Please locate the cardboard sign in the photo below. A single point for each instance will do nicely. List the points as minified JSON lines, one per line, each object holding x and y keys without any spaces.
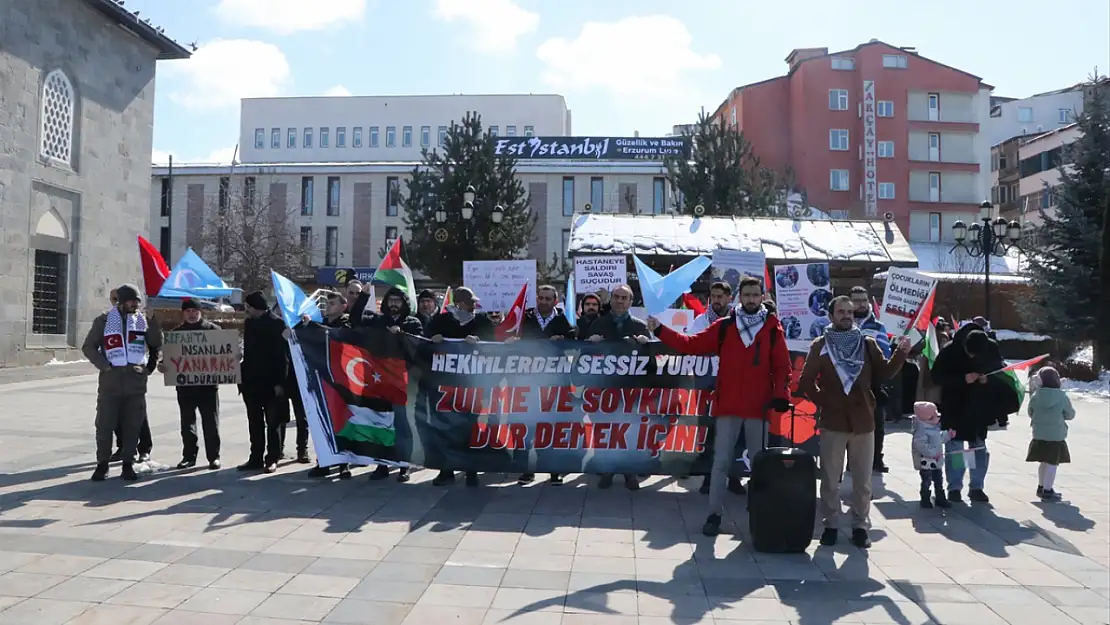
{"x":201,"y":357}
{"x":904,"y":294}
{"x":498,"y":282}
{"x":592,"y":273}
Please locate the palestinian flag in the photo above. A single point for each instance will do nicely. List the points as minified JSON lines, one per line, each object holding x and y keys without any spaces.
{"x":932,"y":347}
{"x":356,"y":376}
{"x":394,"y":272}
{"x":448,"y":300}
{"x":1009,"y":374}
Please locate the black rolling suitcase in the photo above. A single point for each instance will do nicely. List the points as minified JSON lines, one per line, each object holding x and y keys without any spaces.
{"x":782,"y":498}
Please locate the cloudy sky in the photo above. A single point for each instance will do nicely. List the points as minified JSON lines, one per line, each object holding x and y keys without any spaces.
{"x":623,"y":65}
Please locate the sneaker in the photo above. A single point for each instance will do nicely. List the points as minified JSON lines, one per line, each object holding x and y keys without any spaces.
{"x":860,"y":538}
{"x":187,"y":463}
{"x":978,"y":496}
{"x":444,"y":478}
{"x":1048,"y":494}
{"x":319,"y":471}
{"x":606,"y":481}
{"x":100,"y":473}
{"x":142,"y":458}
{"x":251,"y":465}
{"x":829,"y":536}
{"x":114,"y":457}
{"x":526,"y":478}
{"x":127,"y":472}
{"x":472,"y":479}
{"x":736,"y":486}
{"x":214,"y":465}
{"x":380,"y":473}
{"x":556,"y":479}
{"x":705,"y":484}
{"x":926,"y":500}
{"x":632,"y":482}
{"x":271,"y":467}
{"x":712,"y":525}
{"x":954,"y":496}
{"x":302,"y":457}
{"x":403,"y":475}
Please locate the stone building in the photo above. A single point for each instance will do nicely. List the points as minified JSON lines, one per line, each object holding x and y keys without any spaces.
{"x":76,"y":124}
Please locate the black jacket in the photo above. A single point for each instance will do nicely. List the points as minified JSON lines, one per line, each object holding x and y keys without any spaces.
{"x":203,"y":324}
{"x":585,"y":325}
{"x":558,"y":326}
{"x":606,"y":326}
{"x":970,"y":409}
{"x":448,"y":326}
{"x":408,"y":323}
{"x":265,"y":353}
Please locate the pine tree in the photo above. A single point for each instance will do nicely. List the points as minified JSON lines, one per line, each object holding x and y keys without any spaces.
{"x":724,"y":175}
{"x":439,"y":184}
{"x":1065,"y":267}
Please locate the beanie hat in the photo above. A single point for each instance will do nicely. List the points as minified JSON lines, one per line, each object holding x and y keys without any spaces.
{"x":190,"y":304}
{"x":128,"y":293}
{"x":1050,"y":377}
{"x":426,"y":294}
{"x":256,"y":300}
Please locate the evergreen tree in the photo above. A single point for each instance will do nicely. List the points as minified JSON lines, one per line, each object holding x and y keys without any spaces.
{"x":439,"y":184}
{"x":724,"y":175}
{"x":1065,"y":267}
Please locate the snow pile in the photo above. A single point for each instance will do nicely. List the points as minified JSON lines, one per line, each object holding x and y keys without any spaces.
{"x":1084,"y":354}
{"x":1010,"y":335}
{"x":55,"y":361}
{"x":1096,"y":390}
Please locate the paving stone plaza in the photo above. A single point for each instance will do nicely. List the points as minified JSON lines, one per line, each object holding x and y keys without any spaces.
{"x":224,"y":548}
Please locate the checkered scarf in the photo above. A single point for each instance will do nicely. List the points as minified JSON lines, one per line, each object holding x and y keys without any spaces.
{"x":124,"y":341}
{"x":845,"y":349}
{"x":750,"y":325}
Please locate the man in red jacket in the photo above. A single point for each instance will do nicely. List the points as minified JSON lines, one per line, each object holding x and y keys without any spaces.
{"x":753,"y":376}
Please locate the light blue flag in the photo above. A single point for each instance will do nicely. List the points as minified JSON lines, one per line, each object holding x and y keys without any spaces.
{"x":660,"y":292}
{"x":571,"y":303}
{"x":192,"y":277}
{"x":292,"y":302}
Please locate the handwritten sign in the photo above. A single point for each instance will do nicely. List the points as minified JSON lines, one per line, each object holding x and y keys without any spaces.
{"x":201,"y":357}
{"x":904,"y":294}
{"x":497,"y":282}
{"x":599,"y":272}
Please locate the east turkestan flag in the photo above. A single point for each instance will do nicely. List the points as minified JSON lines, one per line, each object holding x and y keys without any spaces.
{"x":394,"y":272}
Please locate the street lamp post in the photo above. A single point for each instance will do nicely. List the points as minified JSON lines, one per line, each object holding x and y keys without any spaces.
{"x":466,"y":212}
{"x":992,"y":238}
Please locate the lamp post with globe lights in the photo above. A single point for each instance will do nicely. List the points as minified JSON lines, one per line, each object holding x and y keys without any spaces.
{"x":990,"y":239}
{"x":466,"y":213}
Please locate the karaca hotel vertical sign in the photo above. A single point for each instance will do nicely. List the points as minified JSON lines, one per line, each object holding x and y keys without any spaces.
{"x":870,"y":153}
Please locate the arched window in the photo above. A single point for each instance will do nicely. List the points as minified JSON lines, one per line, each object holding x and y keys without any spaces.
{"x":56,"y":142}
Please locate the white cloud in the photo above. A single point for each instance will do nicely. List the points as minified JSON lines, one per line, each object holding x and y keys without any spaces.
{"x":338,"y":91}
{"x":633,"y":57}
{"x":223,"y":71}
{"x":496,"y":24}
{"x":290,"y":16}
{"x":219,"y":156}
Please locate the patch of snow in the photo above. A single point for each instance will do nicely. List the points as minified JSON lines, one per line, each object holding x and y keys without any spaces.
{"x":1010,"y":335}
{"x":1084,"y":354}
{"x":940,"y":257}
{"x":55,"y":361}
{"x":1097,"y":390}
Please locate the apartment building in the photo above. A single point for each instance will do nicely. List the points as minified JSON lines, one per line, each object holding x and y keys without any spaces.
{"x":343,"y":129}
{"x":873,"y":130}
{"x":1034,"y":115}
{"x":347,"y":212}
{"x":1040,"y":158}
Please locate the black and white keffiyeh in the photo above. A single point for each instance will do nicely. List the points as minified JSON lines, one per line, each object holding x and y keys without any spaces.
{"x":845,"y":349}
{"x":750,"y":325}
{"x":460,"y":315}
{"x":125,"y":338}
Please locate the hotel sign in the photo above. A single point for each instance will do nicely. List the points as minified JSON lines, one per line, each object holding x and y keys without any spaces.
{"x":870,"y":151}
{"x":592,"y":148}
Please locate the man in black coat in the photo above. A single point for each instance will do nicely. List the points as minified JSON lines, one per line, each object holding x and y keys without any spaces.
{"x":194,"y":399}
{"x":460,"y":321}
{"x":264,"y":372}
{"x":591,"y":312}
{"x":545,"y":322}
{"x":619,"y":324}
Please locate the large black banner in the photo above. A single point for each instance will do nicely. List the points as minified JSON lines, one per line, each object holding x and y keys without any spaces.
{"x":529,"y":406}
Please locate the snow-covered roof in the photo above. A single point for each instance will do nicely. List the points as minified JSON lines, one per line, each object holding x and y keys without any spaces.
{"x":779,"y":239}
{"x":941,"y":258}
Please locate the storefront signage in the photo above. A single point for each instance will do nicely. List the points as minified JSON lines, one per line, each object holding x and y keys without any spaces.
{"x":592,"y":148}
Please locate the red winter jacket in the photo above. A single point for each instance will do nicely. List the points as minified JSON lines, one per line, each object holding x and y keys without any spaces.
{"x":748,"y":378}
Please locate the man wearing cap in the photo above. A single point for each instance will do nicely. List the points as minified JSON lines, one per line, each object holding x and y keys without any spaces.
{"x":460,"y":321}
{"x":122,"y":346}
{"x":194,"y":399}
{"x":427,"y":305}
{"x":264,"y":371}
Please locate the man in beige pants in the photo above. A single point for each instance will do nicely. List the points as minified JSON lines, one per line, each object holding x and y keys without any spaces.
{"x":842,"y":367}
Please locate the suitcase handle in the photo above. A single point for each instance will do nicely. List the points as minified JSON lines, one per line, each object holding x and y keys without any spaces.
{"x":767,"y":423}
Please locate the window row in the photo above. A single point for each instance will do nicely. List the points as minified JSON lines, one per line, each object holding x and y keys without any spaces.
{"x":1025,"y":115}
{"x":308,"y":185}
{"x":838,"y":181}
{"x":308,"y":136}
{"x":838,"y":101}
{"x":627,"y":202}
{"x":890,"y":61}
{"x":838,"y":141}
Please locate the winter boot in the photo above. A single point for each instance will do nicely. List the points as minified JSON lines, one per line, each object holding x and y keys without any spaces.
{"x":926,"y":499}
{"x":127,"y":472}
{"x":100,"y":472}
{"x":941,"y":500}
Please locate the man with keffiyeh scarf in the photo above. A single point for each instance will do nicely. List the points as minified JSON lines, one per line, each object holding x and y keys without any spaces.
{"x":124,"y":348}
{"x":839,"y":373}
{"x":864,"y":316}
{"x":720,"y":305}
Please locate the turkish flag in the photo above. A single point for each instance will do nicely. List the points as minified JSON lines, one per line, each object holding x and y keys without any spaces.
{"x":510,"y":326}
{"x":366,"y":378}
{"x":113,"y":341}
{"x":155,"y":269}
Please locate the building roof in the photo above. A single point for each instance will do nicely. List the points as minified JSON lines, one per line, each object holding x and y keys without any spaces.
{"x":1027,"y":139}
{"x":168,"y":49}
{"x":780,"y":239}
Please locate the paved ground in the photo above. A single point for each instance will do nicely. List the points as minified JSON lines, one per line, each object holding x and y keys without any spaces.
{"x":220,"y":548}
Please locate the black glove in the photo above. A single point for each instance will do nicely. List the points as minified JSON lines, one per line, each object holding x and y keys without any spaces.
{"x":780,"y":404}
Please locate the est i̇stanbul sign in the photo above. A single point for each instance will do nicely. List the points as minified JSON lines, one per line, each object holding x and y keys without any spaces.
{"x":592,"y":148}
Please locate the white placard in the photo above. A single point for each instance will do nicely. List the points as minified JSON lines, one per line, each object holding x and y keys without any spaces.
{"x":497,"y":282}
{"x":803,"y":293}
{"x":870,"y":151}
{"x":904,"y":294}
{"x":599,"y":272}
{"x":732,"y":265}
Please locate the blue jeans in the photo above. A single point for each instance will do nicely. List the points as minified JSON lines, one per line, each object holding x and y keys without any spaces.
{"x":978,"y":474}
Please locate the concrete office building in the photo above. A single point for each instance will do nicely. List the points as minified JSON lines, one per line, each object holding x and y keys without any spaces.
{"x":76,"y":122}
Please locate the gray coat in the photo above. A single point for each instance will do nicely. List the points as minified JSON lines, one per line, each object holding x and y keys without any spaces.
{"x":121,"y":380}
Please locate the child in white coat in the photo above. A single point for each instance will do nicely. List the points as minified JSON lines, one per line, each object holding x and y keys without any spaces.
{"x":928,"y":452}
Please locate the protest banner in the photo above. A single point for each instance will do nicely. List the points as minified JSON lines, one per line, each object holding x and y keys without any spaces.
{"x":803,"y":293}
{"x":904,"y":294}
{"x":731,"y":265}
{"x":497,"y":282}
{"x":592,"y":273}
{"x":529,"y":406}
{"x":201,"y":357}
